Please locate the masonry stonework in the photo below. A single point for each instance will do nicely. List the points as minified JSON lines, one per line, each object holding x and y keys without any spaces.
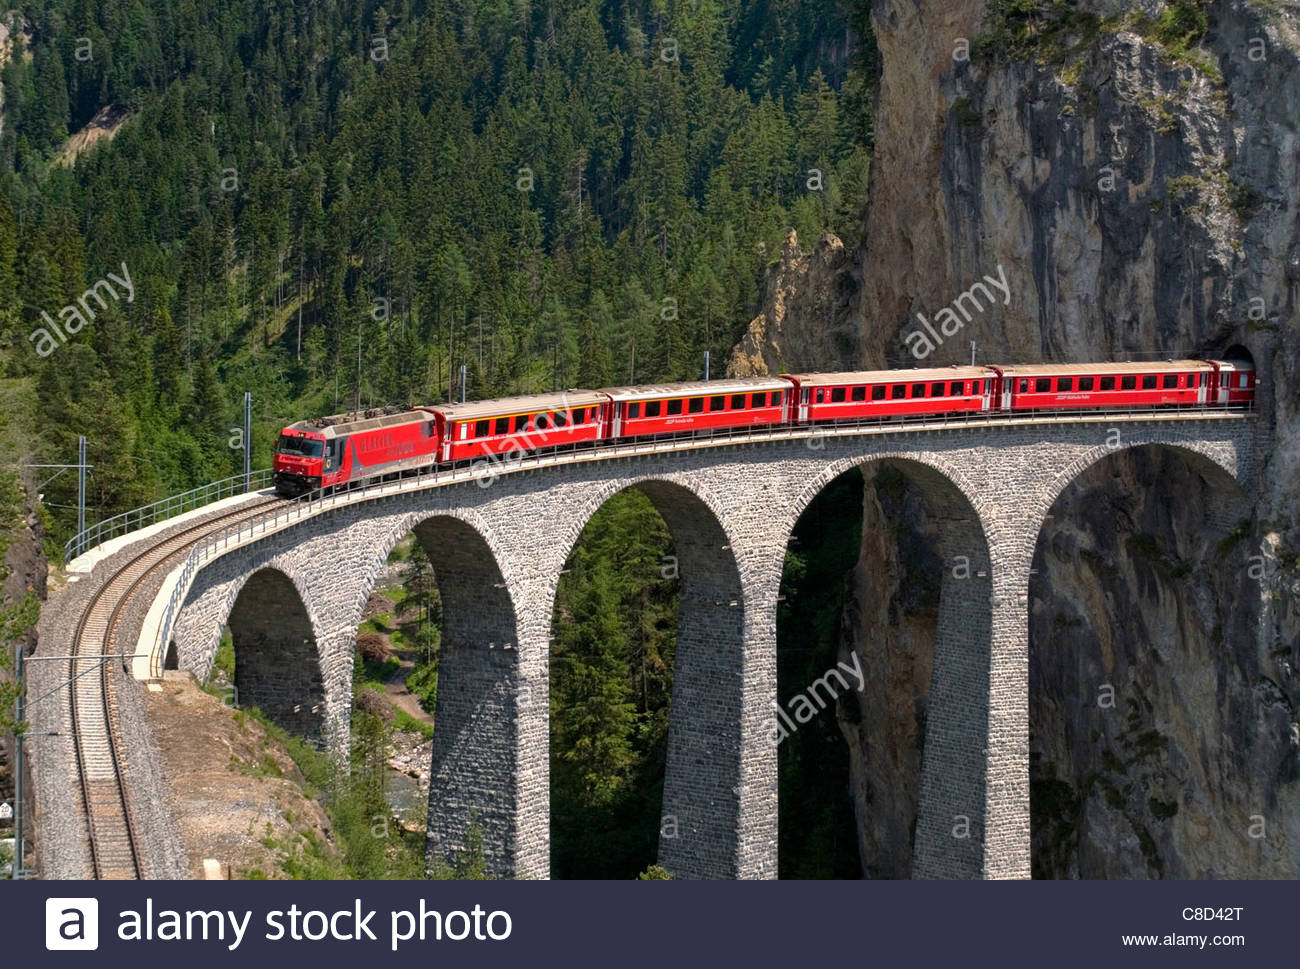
{"x":498,"y":546}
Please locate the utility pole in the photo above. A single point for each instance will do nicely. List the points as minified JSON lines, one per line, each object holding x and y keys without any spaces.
{"x":972,"y":353}
{"x":18,"y":763}
{"x":81,"y":487}
{"x":463,"y":369}
{"x":706,"y":364}
{"x":248,"y":440}
{"x":82,"y":467}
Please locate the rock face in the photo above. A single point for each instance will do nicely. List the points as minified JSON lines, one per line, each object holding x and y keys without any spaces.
{"x":1141,"y":193}
{"x":809,"y":313}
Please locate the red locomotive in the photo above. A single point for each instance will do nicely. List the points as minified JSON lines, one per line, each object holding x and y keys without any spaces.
{"x":330,"y":451}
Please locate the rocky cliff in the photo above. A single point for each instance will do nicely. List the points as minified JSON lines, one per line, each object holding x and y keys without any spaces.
{"x":1133,"y":172}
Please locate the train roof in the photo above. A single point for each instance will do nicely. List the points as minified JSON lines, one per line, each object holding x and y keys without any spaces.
{"x":507,"y":406}
{"x":955,"y":372}
{"x":1233,"y":364}
{"x":1135,"y":366}
{"x":339,"y":425}
{"x":697,"y":388}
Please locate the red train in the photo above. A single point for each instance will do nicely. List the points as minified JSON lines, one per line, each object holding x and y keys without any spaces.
{"x":329,"y":451}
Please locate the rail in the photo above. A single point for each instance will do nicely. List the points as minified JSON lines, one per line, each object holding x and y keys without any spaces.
{"x":161,"y":510}
{"x":485,"y":469}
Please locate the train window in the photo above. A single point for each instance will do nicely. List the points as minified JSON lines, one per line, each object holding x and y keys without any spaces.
{"x":1171,"y":380}
{"x":675,"y":406}
{"x":1064,"y":383}
{"x":1192,"y":381}
{"x":634,"y":410}
{"x":1128,"y":383}
{"x":695,"y":405}
{"x":717,"y":403}
{"x":1107,"y":383}
{"x":918,"y":390}
{"x":837,"y":395}
{"x":560,"y":418}
{"x":539,"y":422}
{"x":859,"y":393}
{"x":481,"y":428}
{"x":1085,"y":383}
{"x":737,"y":401}
{"x":1024,"y":385}
{"x":777,"y":397}
{"x":759,"y":400}
{"x":898,"y":391}
{"x":936,"y":390}
{"x":521,"y":421}
{"x":1244,"y":381}
{"x":954,"y":389}
{"x":652,"y":408}
{"x":878,"y":392}
{"x":1149,"y":381}
{"x":1042,"y":385}
{"x":821,"y":395}
{"x":503,"y":426}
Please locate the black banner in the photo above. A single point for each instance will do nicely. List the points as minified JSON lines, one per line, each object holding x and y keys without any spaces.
{"x":652,"y":923}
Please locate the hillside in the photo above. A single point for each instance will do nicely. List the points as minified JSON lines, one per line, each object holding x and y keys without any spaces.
{"x":337,"y":204}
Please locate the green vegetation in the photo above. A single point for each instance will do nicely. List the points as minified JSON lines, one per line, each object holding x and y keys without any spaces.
{"x":372,"y":843}
{"x":1056,"y":33}
{"x":343,"y":203}
{"x":1049,"y":32}
{"x":1179,"y":30}
{"x":613,"y":640}
{"x":17,"y":619}
{"x":817,"y":830}
{"x":336,"y":205}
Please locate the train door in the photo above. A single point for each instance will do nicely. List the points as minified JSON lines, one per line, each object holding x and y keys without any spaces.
{"x":987,"y":402}
{"x":1202,"y":386}
{"x":616,"y":419}
{"x":1219,"y":389}
{"x":803,"y":404}
{"x":1006,"y":392}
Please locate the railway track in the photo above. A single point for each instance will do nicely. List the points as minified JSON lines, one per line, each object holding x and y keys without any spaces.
{"x":111,"y":834}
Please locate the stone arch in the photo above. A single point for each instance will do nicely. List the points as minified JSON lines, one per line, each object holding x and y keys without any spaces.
{"x":929,"y":470}
{"x":1216,"y":460}
{"x":464,"y":531}
{"x":277,"y":659}
{"x":1124,"y":688}
{"x":945,"y":811}
{"x":701,"y":834}
{"x":681,"y":506}
{"x":473,"y":776}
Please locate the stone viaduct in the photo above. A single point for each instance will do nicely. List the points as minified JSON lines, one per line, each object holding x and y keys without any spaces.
{"x":294,"y":601}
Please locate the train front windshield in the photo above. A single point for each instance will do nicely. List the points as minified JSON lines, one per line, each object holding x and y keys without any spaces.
{"x":304,"y":447}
